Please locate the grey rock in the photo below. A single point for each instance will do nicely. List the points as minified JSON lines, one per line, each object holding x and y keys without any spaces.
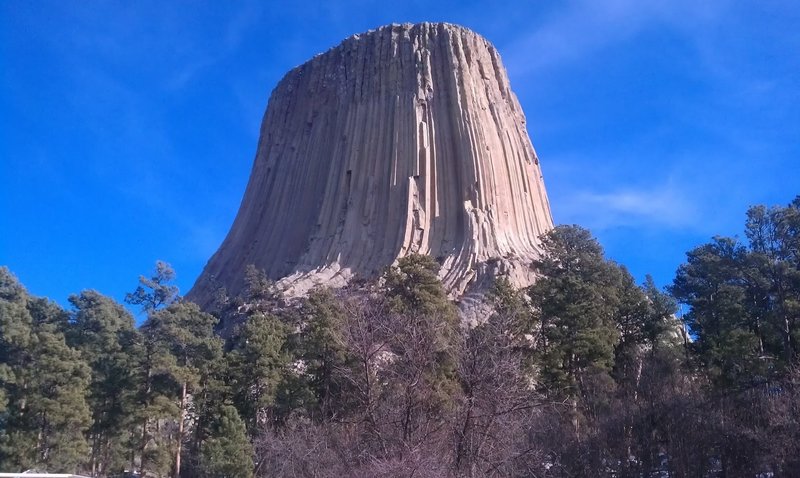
{"x":404,"y":139}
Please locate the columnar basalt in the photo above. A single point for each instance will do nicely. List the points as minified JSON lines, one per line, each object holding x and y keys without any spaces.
{"x":405,"y":139}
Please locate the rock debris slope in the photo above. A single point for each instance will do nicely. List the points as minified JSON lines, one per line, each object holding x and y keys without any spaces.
{"x":405,"y":139}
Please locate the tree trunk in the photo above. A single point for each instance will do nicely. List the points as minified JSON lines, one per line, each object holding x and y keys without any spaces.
{"x":148,"y":390}
{"x":180,"y":433}
{"x":573,"y":404}
{"x":95,"y":441}
{"x":787,"y":340}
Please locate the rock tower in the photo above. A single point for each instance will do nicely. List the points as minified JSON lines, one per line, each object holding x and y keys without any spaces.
{"x":405,"y":139}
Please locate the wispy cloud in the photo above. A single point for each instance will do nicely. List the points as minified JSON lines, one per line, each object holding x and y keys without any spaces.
{"x":586,"y":26}
{"x":235,"y":31}
{"x":661,"y":206}
{"x":674,"y":161}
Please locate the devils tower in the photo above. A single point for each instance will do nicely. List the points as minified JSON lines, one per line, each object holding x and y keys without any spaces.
{"x":405,"y":139}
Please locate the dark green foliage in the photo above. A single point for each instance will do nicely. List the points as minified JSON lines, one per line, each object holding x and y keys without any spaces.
{"x":513,"y":306}
{"x":185,"y":332}
{"x":773,"y":275}
{"x":155,"y":292}
{"x":598,"y":335}
{"x":745,"y":299}
{"x":156,"y":387}
{"x":45,"y":384}
{"x":227,"y":453}
{"x":414,"y":287}
{"x":103,"y":331}
{"x":583,"y":374}
{"x":15,"y":332}
{"x":711,"y":282}
{"x":427,"y":343}
{"x":661,"y":327}
{"x":52,"y":414}
{"x":322,"y":351}
{"x":258,"y":360}
{"x":156,"y":392}
{"x":260,"y":292}
{"x":186,"y":336}
{"x":577,"y":300}
{"x":180,"y":369}
{"x":258,"y":364}
{"x":259,"y":296}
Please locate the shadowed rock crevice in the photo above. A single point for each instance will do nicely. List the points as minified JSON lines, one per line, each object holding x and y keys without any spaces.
{"x":405,"y":139}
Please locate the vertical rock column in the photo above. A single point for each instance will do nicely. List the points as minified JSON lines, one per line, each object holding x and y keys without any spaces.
{"x":405,"y":139}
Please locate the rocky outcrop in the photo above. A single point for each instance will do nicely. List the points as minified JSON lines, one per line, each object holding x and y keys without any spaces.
{"x":405,"y":139}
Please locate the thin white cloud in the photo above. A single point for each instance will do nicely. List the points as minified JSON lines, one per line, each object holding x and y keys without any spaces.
{"x":662,"y":206}
{"x":735,"y":133}
{"x":235,"y":31}
{"x":586,"y":26}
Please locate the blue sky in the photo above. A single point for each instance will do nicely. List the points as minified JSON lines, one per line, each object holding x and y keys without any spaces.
{"x":129,"y":128}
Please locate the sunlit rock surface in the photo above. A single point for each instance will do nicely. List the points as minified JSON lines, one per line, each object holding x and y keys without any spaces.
{"x":405,"y":139}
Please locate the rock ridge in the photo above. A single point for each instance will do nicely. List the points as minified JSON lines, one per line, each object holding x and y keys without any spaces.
{"x":404,"y":139}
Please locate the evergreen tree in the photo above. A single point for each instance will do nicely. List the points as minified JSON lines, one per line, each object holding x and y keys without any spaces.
{"x":730,"y":338}
{"x":16,"y":326}
{"x":258,"y":362}
{"x":643,"y":318}
{"x":662,"y":328}
{"x":597,"y":328}
{"x":187,"y":335}
{"x":227,"y":453}
{"x":156,"y":389}
{"x":413,"y":286}
{"x":773,"y":274}
{"x":260,"y":293}
{"x":425,"y":338}
{"x":414,"y":290}
{"x":155,"y":292}
{"x":576,"y":299}
{"x":156,"y":402}
{"x":320,"y":346}
{"x":103,"y":331}
{"x":513,"y":316}
{"x":45,"y":383}
{"x":744,"y":299}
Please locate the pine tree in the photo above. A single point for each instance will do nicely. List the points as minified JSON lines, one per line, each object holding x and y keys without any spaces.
{"x":426,"y":340}
{"x":258,"y":362}
{"x":773,"y":276}
{"x":227,"y":453}
{"x":320,"y":347}
{"x":414,"y":290}
{"x":662,"y":328}
{"x":744,"y":299}
{"x":155,"y":292}
{"x":187,"y":334}
{"x":730,"y":338}
{"x":45,"y":383}
{"x":155,"y":388}
{"x":576,"y":301}
{"x":413,"y":286}
{"x":103,"y":331}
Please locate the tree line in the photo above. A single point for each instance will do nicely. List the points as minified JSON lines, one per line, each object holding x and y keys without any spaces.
{"x":585,"y":373}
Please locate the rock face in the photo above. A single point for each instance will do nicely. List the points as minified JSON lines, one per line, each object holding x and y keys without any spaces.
{"x":405,"y":139}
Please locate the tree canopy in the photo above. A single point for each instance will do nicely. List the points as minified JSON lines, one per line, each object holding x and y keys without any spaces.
{"x":584,"y":373}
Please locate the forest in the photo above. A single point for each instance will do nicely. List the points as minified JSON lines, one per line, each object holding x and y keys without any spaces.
{"x":585,"y":373}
